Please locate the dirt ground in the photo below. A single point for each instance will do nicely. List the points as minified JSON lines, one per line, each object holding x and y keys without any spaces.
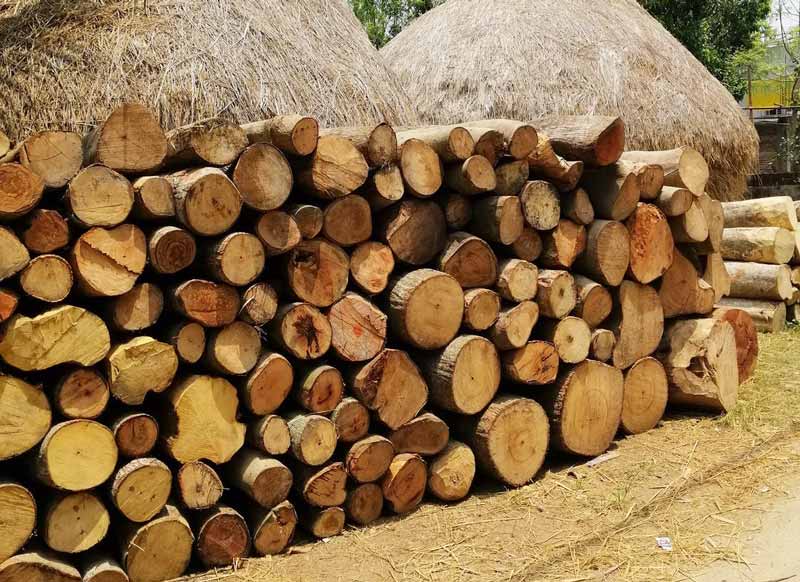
{"x":723,"y":490}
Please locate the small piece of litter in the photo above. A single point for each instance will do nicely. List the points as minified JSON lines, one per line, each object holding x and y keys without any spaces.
{"x":664,"y":543}
{"x":602,"y":458}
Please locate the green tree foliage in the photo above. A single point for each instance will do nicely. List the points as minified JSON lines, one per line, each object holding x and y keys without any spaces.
{"x":383,"y":19}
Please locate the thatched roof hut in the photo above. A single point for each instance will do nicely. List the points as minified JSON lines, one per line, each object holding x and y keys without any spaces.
{"x":471,"y":59}
{"x":68,"y":62}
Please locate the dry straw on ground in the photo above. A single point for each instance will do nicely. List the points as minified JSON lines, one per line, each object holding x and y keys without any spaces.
{"x":523,"y":59}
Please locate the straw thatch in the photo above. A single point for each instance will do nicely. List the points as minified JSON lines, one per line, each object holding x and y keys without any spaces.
{"x":471,"y":59}
{"x":66,"y":63}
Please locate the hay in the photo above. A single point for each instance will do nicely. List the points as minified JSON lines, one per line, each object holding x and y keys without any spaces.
{"x":471,"y":59}
{"x":67,"y":63}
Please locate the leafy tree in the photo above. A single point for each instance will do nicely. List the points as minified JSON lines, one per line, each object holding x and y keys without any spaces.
{"x":383,"y":19}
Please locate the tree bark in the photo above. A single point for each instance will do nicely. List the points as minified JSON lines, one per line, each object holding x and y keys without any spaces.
{"x":451,"y":143}
{"x":757,"y":281}
{"x":595,"y":140}
{"x":758,"y":245}
{"x":546,"y":164}
{"x":767,"y":316}
{"x":682,"y":290}
{"x":651,"y":177}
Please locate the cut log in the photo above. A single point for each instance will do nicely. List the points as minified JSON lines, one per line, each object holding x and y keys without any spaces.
{"x":594,"y":301}
{"x":302,"y":330}
{"x":384,"y":187}
{"x":223,"y":537}
{"x":392,"y":386}
{"x":377,"y":143}
{"x":293,"y":134}
{"x":140,"y":366}
{"x":347,"y":221}
{"x":98,"y":567}
{"x":153,"y":198}
{"x":269,"y":434}
{"x":107,"y":263}
{"x":404,"y":482}
{"x":701,"y":364}
{"x":317,"y":272}
{"x":514,"y":325}
{"x":371,"y":264}
{"x":498,"y":218}
{"x":457,"y":209}
{"x":63,"y":335}
{"x":268,"y":385}
{"x":757,"y":281}
{"x":13,"y":254}
{"x":489,"y":143}
{"x":450,"y":474}
{"x":577,"y":206}
{"x":35,"y":566}
{"x":674,"y":201}
{"x":9,"y":301}
{"x":777,"y":211}
{"x":74,"y":522}
{"x":473,"y":176}
{"x":188,"y":338}
{"x":130,"y":140}
{"x":470,"y":260}
{"x":170,"y":250}
{"x":209,"y":142}
{"x":233,"y":349}
{"x":259,"y":304}
{"x":645,"y":396}
{"x":546,"y":164}
{"x":273,"y":529}
{"x":322,"y":486}
{"x":324,"y":522}
{"x":716,"y":275}
{"x":140,"y":489}
{"x":509,"y":439}
{"x":24,"y":415}
{"x":20,"y":191}
{"x":55,"y":156}
{"x":313,"y":438}
{"x":158,"y":550}
{"x":556,"y":293}
{"x":278,"y":232}
{"x":265,"y":480}
{"x":540,"y":205}
{"x":207,"y":303}
{"x":238,"y":259}
{"x":368,"y":459}
{"x":528,"y":246}
{"x":651,"y":244}
{"x":571,"y":337}
{"x":45,"y":231}
{"x":206,"y":201}
{"x":481,"y":309}
{"x":263,"y":176}
{"x":351,"y":419}
{"x":308,"y":219}
{"x":364,"y":503}
{"x":427,"y":434}
{"x":81,"y":393}
{"x":595,"y":140}
{"x":602,"y":346}
{"x":746,"y":339}
{"x":320,"y":389}
{"x":767,"y":316}
{"x":585,"y":407}
{"x":450,"y":143}
{"x":517,"y":280}
{"x":138,"y":309}
{"x":415,"y":230}
{"x":651,"y":177}
{"x":511,"y":177}
{"x":563,"y":245}
{"x":682,"y":290}
{"x":605,"y":259}
{"x":335,"y":169}
{"x":99,"y":196}
{"x":47,"y":278}
{"x":76,"y":455}
{"x":17,"y":518}
{"x":421,"y":167}
{"x":358,"y":328}
{"x":683,"y":167}
{"x":613,"y":196}
{"x":690,"y":227}
{"x":638,"y":325}
{"x":758,"y":245}
{"x":715,"y":219}
{"x":135,"y":433}
{"x":201,"y":420}
{"x":534,"y":364}
{"x":198,"y":485}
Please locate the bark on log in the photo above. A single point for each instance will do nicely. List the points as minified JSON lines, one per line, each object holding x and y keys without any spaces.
{"x":317,"y":272}
{"x":563,"y":245}
{"x":358,"y":328}
{"x":517,"y":280}
{"x":292,"y":134}
{"x":716,"y":275}
{"x":313,"y":438}
{"x":471,"y":177}
{"x":207,"y":303}
{"x":76,"y":455}
{"x":347,"y":221}
{"x":98,"y":567}
{"x":758,"y":245}
{"x":135,"y":434}
{"x":514,"y":326}
{"x":605,"y":259}
{"x":577,"y":206}
{"x":613,"y":196}
{"x":171,"y":250}
{"x":259,"y":304}
{"x":528,"y":246}
{"x":595,"y":140}
{"x":746,"y":339}
{"x":498,"y":219}
{"x":320,"y":389}
{"x":594,"y":302}
{"x":263,"y":176}
{"x":768,"y":316}
{"x":602,"y":346}
{"x":81,"y":393}
{"x":107,"y":263}
{"x":308,"y":219}
{"x":302,"y":330}
{"x":470,"y":260}
{"x":99,"y":196}
{"x":153,"y":198}
{"x":19,"y":518}
{"x":481,"y":309}
{"x":263,"y":479}
{"x":715,"y":219}
{"x":140,"y":366}
{"x":20,"y":191}
{"x":651,"y":244}
{"x":25,"y":415}
{"x":335,"y":169}
{"x":138,"y":309}
{"x":683,"y":167}
{"x":364,"y":503}
{"x":273,"y":529}
{"x":47,"y":278}
{"x":238,"y":259}
{"x":450,"y":474}
{"x":74,"y":522}
{"x":206,"y":201}
{"x":371,"y":264}
{"x":521,"y":138}
{"x":534,"y":364}
{"x":427,"y":434}
{"x":556,"y":293}
{"x":404,"y":482}
{"x":233,"y":349}
{"x":269,"y":434}
{"x":140,"y":489}
{"x":351,"y":419}
{"x":198,"y":486}
{"x":158,"y":550}
{"x":638,"y":325}
{"x":415,"y":230}
{"x":571,"y":337}
{"x":682,"y":290}
{"x":13,"y":254}
{"x":209,"y":142}
{"x":540,"y":205}
{"x":384,"y":187}
{"x":757,"y":281}
{"x":377,"y":143}
{"x":511,"y":177}
{"x":45,"y":231}
{"x":223,"y":537}
{"x":645,"y":396}
{"x":368,"y":459}
{"x":489,"y":143}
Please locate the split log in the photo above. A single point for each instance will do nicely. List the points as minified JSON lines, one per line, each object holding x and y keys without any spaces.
{"x":368,"y":459}
{"x":81,"y":393}
{"x":46,"y":231}
{"x":238,"y":259}
{"x":674,"y":201}
{"x":215,"y":434}
{"x":613,"y":196}
{"x":758,"y":245}
{"x":392,"y":386}
{"x":481,"y":309}
{"x":107,"y":263}
{"x":556,"y":293}
{"x":335,"y":169}
{"x":19,"y":518}
{"x":322,"y":486}
{"x":158,"y":550}
{"x":701,"y":364}
{"x":171,"y":250}
{"x":233,"y":349}
{"x":451,"y":473}
{"x":13,"y":254}
{"x":25,"y":415}
{"x":602,"y":346}
{"x":777,"y":211}
{"x":767,"y":316}
{"x":76,"y":455}
{"x":140,"y":489}
{"x":585,"y":407}
{"x":594,"y":301}
{"x":320,"y":389}
{"x":645,"y":396}
{"x":278,"y":232}
{"x":209,"y":142}
{"x":651,"y":244}
{"x":577,"y":206}
{"x":35,"y":566}
{"x":259,"y":304}
{"x":135,"y":434}
{"x":198,"y":485}
{"x":545,"y":163}
{"x":74,"y":522}
{"x":528,"y":246}
{"x":540,"y":205}
{"x":451,"y":143}
{"x":470,"y":260}
{"x":421,"y":168}
{"x":511,"y":177}
{"x":514,"y":326}
{"x":153,"y":198}
{"x":64,"y":335}
{"x":322,"y":522}
{"x":683,"y":167}
{"x":517,"y":280}
{"x":20,"y":191}
{"x":605,"y":259}
{"x":638,"y":325}
{"x":358,"y":328}
{"x":313,"y":438}
{"x":682,"y":290}
{"x":140,"y":366}
{"x":293,"y":134}
{"x":273,"y":529}
{"x":534,"y":364}
{"x":690,"y":227}
{"x":651,"y":177}
{"x":404,"y":482}
{"x":371,"y":264}
{"x":595,"y":140}
{"x":130,"y":140}
{"x":716,"y":275}
{"x":571,"y":337}
{"x":746,"y":339}
{"x":364,"y":503}
{"x":207,"y":303}
{"x":317,"y":272}
{"x":54,"y":156}
{"x":473,"y":176}
{"x":99,"y":196}
{"x":498,"y":219}
{"x":351,"y":419}
{"x":206,"y":201}
{"x":302,"y":330}
{"x":757,"y":281}
{"x":9,"y":301}
{"x":563,"y":245}
{"x":47,"y":278}
{"x":457,"y":209}
{"x":427,"y":434}
{"x":308,"y":219}
{"x":263,"y":176}
{"x":269,"y":434}
{"x":715,"y":219}
{"x":377,"y":143}
{"x":263,"y":479}
{"x":138,"y":309}
{"x":415,"y":230}
{"x":347,"y":221}
{"x":188,"y":338}
{"x":223,"y":537}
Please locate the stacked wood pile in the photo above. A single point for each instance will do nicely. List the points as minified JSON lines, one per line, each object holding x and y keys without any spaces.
{"x":761,"y":248}
{"x":216,"y":335}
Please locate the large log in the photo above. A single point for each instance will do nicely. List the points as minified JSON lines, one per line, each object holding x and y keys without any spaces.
{"x":99,"y":196}
{"x":45,"y":231}
{"x":514,"y":325}
{"x":545,"y":163}
{"x":74,"y":522}
{"x":651,"y":244}
{"x":37,"y":566}
{"x":421,"y":167}
{"x":645,"y":396}
{"x":758,"y":281}
{"x":415,"y":230}
{"x":528,"y":246}
{"x":651,"y":177}
{"x":595,"y":140}
{"x":20,"y":191}
{"x":335,"y":169}
{"x":107,"y":263}
{"x":638,"y":325}
{"x":323,"y":486}
{"x":425,"y":435}
{"x":157,"y":550}
{"x":758,"y":245}
{"x":347,"y":221}
{"x":198,"y":485}
{"x":674,"y":201}
{"x":237,"y":259}
{"x":206,"y":201}
{"x":207,"y":303}
{"x":293,"y":134}
{"x":715,"y":219}
{"x":746,"y":339}
{"x":358,"y":328}
{"x":76,"y":455}
{"x":457,"y":209}
{"x":302,"y":330}
{"x":99,"y":567}
{"x":534,"y":364}
{"x":767,"y":316}
{"x":268,"y":385}
{"x":540,"y":205}
{"x":55,"y":156}
{"x":322,"y":522}
{"x":18,"y":518}
{"x":716,"y":274}
{"x":13,"y":254}
{"x":404,"y":482}
{"x":140,"y":489}
{"x":777,"y":211}
{"x":682,"y":290}
{"x":470,"y":260}
{"x":308,"y":219}
{"x":223,"y":537}
{"x":683,"y":167}
{"x":24,"y":415}
{"x":47,"y":278}
{"x":607,"y":254}
{"x":81,"y":393}
{"x":371,"y":264}
{"x":263,"y":176}
{"x":691,"y":226}
{"x":521,"y":138}
{"x":498,"y":219}
{"x":451,"y":143}
{"x":140,"y":366}
{"x":613,"y":196}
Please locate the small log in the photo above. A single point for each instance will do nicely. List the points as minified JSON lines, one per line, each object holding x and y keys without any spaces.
{"x":364,"y":503}
{"x":450,"y":143}
{"x":47,"y":278}
{"x":377,"y":143}
{"x":81,"y":393}
{"x":322,"y":522}
{"x":278,"y":232}
{"x":351,"y":419}
{"x":130,"y":140}
{"x":153,"y":199}
{"x":368,"y":459}
{"x":320,"y":389}
{"x":269,"y":434}
{"x":38,"y":567}
{"x":683,"y":167}
{"x":107,"y":263}
{"x":651,"y":244}
{"x":198,"y":486}
{"x":517,"y":280}
{"x":308,"y":219}
{"x":233,"y":349}
{"x":427,"y":434}
{"x":415,"y":230}
{"x":470,"y":260}
{"x":215,"y":435}
{"x":767,"y":316}
{"x":716,"y":275}
{"x":74,"y":522}
{"x":46,"y":231}
{"x":268,"y":385}
{"x":99,"y":196}
{"x":556,"y":293}
{"x":20,"y":191}
{"x":259,"y":304}
{"x":594,"y":302}
{"x":426,"y":308}
{"x":335,"y":169}
{"x":514,"y":325}
{"x":595,"y":140}
{"x":450,"y":473}
{"x":757,"y":281}
{"x":206,"y":201}
{"x":498,"y":218}
{"x":481,"y":309}
{"x":358,"y":328}
{"x":602,"y":346}
{"x":613,"y":196}
{"x":746,"y":334}
{"x":521,"y":138}
{"x":65,"y":335}
{"x":473,"y":176}
{"x":571,"y":337}
{"x":25,"y":415}
{"x":457,"y":209}
{"x":171,"y":250}
{"x":776,"y":211}
{"x":54,"y":156}
{"x":263,"y":479}
{"x":421,"y":167}
{"x":715,"y":219}
{"x":371,"y":264}
{"x":489,"y":143}
{"x":13,"y":254}
{"x":404,"y":482}
{"x":347,"y":221}
{"x":540,"y":205}
{"x":674,"y":201}
{"x":238,"y":259}
{"x":638,"y":325}
{"x":313,"y":438}
{"x":384,"y":187}
{"x":511,"y":177}
{"x":322,"y":486}
{"x":607,"y":254}
{"x":293,"y":134}
{"x":98,"y":567}
{"x":76,"y":455}
{"x":223,"y":537}
{"x":302,"y":330}
{"x":651,"y":177}
{"x":139,"y":366}
{"x":585,"y":407}
{"x":158,"y":550}
{"x":188,"y":338}
{"x":690,"y":227}
{"x":528,"y":246}
{"x":545,"y":163}
{"x":135,"y":433}
{"x":209,"y":142}
{"x":682,"y":290}
{"x":534,"y":364}
{"x":317,"y":272}
{"x":390,"y":385}
{"x":140,"y":489}
{"x":758,"y":245}
{"x":563,"y":245}
{"x":19,"y":518}
{"x":577,"y":206}
{"x":272,"y":529}
{"x":207,"y":303}
{"x":263,"y":176}
{"x":138,"y":309}
{"x":644,"y":396}
{"x":9,"y":301}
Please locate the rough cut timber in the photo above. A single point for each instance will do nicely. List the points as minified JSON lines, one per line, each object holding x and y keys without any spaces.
{"x":335,"y":169}
{"x":263,"y":479}
{"x":577,"y":206}
{"x":140,"y":366}
{"x":517,"y":280}
{"x":613,"y":197}
{"x":767,"y":316}
{"x":209,"y":142}
{"x":81,"y":393}
{"x":76,"y":455}
{"x":207,"y":303}
{"x":384,"y":187}
{"x":638,"y":325}
{"x":38,"y":566}
{"x":746,"y":339}
{"x":415,"y":230}
{"x":489,"y":143}
{"x":189,"y":340}
{"x":594,"y":302}
{"x":364,"y":503}
{"x":206,"y":201}
{"x":9,"y":301}
{"x":674,"y":201}
{"x":368,"y":459}
{"x":556,"y":293}
{"x":715,"y":219}
{"x":421,"y":168}
{"x":107,"y":263}
{"x":371,"y":264}
{"x":302,"y":330}
{"x":451,"y":472}
{"x":562,"y":245}
{"x":651,"y":243}
{"x":377,"y":143}
{"x":498,"y":219}
{"x":223,"y":537}
{"x":313,"y":438}
{"x":716,"y":274}
{"x":19,"y":518}
{"x":47,"y":278}
{"x":20,"y":191}
{"x":13,"y":254}
{"x":259,"y":304}
{"x":607,"y":254}
{"x":471,"y":177}
{"x":263,"y":176}
{"x":683,"y":291}
{"x":347,"y":221}
{"x":540,"y":205}
{"x":153,"y":198}
{"x":651,"y":177}
{"x":759,"y":281}
{"x":777,"y":211}
{"x":55,"y":156}
{"x":544,"y":163}
{"x":358,"y":328}
{"x":234,"y":349}
{"x":571,"y":337}
{"x":272,"y":529}
{"x":404,"y":482}
{"x":764,"y":244}
{"x":319,"y":389}
{"x":269,"y":434}
{"x":426,"y":435}
{"x":293,"y":134}
{"x":645,"y":396}
{"x":683,"y":167}
{"x":536,"y":363}
{"x":45,"y":231}
{"x":138,"y":309}
{"x":99,"y":567}
{"x":514,"y":325}
{"x":351,"y":419}
{"x":594,"y":140}
{"x":99,"y":196}
{"x":511,"y":177}
{"x":602,"y":346}
{"x":470,"y":260}
{"x":159,"y":549}
{"x":481,"y":309}
{"x":135,"y":433}
{"x":140,"y":489}
{"x":25,"y":415}
{"x":322,"y":522}
{"x":521,"y":138}
{"x":691,"y":226}
{"x":308,"y":219}
{"x":278,"y":231}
